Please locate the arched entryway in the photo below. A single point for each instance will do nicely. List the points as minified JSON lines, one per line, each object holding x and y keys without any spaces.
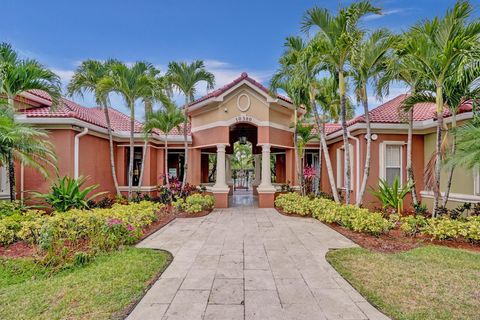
{"x":243,"y":174}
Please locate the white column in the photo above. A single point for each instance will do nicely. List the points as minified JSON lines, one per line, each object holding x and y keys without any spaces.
{"x":220,"y":181}
{"x":257,"y":180}
{"x":266,"y":184}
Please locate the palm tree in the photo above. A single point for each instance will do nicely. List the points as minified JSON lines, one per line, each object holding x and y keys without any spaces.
{"x":367,"y":63}
{"x":165,"y":120}
{"x":132,"y":83}
{"x":335,"y":41}
{"x":439,"y":48}
{"x":86,"y":79}
{"x":185,"y":77}
{"x":458,"y":90}
{"x":160,"y":92}
{"x":18,"y":76}
{"x":24,"y":143}
{"x":467,"y":152}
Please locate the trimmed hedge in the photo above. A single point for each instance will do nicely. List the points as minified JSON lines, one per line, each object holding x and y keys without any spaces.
{"x":349,"y":216}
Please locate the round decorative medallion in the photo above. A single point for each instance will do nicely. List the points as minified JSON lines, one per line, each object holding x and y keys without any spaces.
{"x":243,"y":102}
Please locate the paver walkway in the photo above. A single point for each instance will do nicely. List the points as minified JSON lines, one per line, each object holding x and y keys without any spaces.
{"x":250,"y":263}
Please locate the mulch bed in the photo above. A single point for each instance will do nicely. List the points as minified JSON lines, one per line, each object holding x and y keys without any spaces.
{"x":18,"y":249}
{"x":394,"y":241}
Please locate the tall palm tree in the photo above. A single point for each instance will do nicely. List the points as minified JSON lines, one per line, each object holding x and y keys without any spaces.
{"x":367,"y":63}
{"x":397,"y":69}
{"x":165,"y":120}
{"x":161,"y":92}
{"x":86,"y":79}
{"x":336,"y":38}
{"x":458,"y":90}
{"x":441,"y":47}
{"x":133,"y":83}
{"x":185,"y":78}
{"x":18,"y":76}
{"x":29,"y":145}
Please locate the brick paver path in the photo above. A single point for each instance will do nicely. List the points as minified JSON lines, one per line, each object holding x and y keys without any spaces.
{"x":250,"y":263}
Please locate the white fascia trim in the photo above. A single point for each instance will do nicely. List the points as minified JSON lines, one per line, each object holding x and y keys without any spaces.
{"x":459,"y":197}
{"x":228,"y":123}
{"x":417,"y":125}
{"x":84,"y":124}
{"x":221,"y":97}
{"x":135,"y":188}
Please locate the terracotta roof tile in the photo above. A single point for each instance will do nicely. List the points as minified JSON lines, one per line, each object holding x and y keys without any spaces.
{"x":96,"y":116}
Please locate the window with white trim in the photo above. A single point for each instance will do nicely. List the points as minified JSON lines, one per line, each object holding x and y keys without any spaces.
{"x":391,"y":165}
{"x":476,"y":181}
{"x":4,"y":185}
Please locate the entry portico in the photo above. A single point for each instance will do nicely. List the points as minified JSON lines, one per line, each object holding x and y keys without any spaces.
{"x":242,"y":110}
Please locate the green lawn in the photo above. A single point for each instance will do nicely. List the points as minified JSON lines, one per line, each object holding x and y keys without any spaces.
{"x":100,"y":290}
{"x":425,"y":283}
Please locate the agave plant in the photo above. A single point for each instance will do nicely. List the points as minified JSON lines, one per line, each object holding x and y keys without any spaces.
{"x":67,"y":193}
{"x":392,"y":195}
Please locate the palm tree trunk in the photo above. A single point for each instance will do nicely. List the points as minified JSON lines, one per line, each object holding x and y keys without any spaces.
{"x":366,"y":170}
{"x":450,"y":173}
{"x":346,"y":144}
{"x":167,"y":179}
{"x":11,"y":162}
{"x":142,"y":166}
{"x":112,"y":158}
{"x":132,"y":148}
{"x":11,"y":176}
{"x":328,"y":163}
{"x":410,"y":175}
{"x":438,"y":146}
{"x":295,"y":147}
{"x":185,"y":123}
{"x":319,"y":170}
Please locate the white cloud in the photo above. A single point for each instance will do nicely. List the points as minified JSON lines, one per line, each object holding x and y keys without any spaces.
{"x":383,"y":14}
{"x":65,"y":75}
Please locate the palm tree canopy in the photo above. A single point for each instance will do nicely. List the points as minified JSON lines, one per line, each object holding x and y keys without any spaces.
{"x":131,"y":82}
{"x":184,"y":77}
{"x":27,"y":144}
{"x":337,"y":34}
{"x":87,"y":77}
{"x":20,"y":75}
{"x":164,"y":119}
{"x":443,"y":46}
{"x":368,"y":59}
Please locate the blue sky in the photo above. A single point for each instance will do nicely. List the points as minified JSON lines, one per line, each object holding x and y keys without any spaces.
{"x":231,"y":36}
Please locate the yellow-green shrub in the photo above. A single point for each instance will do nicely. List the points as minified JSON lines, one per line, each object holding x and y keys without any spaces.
{"x":472,"y":228}
{"x":328,"y":211}
{"x":444,"y":228}
{"x":411,"y":225}
{"x":194,"y":203}
{"x":293,"y":203}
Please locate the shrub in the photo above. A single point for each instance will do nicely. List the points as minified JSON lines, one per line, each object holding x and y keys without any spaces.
{"x":10,"y":226}
{"x":472,"y":229}
{"x":67,"y":194}
{"x":412,"y":225}
{"x":8,"y":208}
{"x":444,"y":228}
{"x":194,"y":203}
{"x":293,"y":203}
